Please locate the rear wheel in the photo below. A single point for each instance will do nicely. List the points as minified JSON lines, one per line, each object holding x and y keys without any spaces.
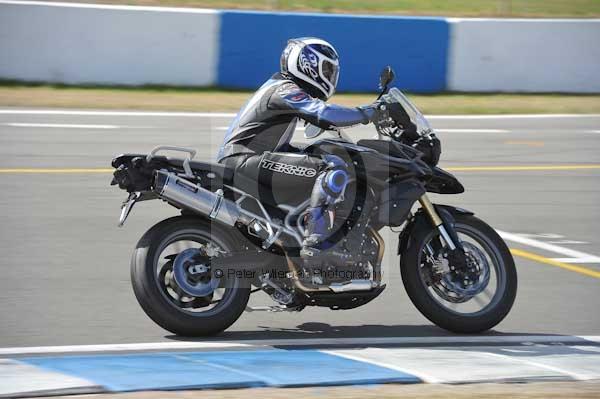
{"x":470,"y":299}
{"x":174,"y":284}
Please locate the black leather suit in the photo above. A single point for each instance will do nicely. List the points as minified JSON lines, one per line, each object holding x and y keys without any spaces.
{"x":257,"y":144}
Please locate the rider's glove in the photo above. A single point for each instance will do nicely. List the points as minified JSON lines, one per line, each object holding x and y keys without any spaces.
{"x":373,"y":112}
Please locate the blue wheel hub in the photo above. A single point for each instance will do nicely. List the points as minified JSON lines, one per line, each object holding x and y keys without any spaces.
{"x":192,"y":273}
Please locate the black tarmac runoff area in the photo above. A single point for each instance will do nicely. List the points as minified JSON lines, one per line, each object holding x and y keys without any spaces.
{"x":64,"y":265}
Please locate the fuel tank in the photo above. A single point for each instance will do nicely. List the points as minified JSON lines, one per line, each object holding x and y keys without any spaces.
{"x":374,"y":164}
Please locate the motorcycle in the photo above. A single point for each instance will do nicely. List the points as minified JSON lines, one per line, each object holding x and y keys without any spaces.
{"x":193,"y":274}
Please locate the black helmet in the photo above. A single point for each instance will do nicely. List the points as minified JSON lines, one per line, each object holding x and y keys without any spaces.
{"x":313,"y":64}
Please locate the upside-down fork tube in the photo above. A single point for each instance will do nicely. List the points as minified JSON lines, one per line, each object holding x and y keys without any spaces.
{"x":436,"y":220}
{"x":380,"y":252}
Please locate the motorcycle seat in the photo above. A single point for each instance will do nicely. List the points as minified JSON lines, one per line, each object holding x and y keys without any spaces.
{"x":201,"y":168}
{"x":221,"y":171}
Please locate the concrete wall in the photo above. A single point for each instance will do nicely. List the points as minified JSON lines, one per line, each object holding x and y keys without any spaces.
{"x":525,"y":55}
{"x":100,"y":44}
{"x":69,"y":43}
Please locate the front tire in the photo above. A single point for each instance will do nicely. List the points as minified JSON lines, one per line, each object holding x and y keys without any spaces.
{"x":170,"y":311}
{"x":423,"y":294}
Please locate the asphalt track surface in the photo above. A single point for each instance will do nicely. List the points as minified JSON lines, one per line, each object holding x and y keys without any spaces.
{"x":65,"y":265}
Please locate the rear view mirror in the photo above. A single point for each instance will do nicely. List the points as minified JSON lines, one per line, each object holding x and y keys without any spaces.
{"x":386,"y":77}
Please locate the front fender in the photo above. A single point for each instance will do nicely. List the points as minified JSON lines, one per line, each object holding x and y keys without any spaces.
{"x":443,"y":182}
{"x":421,"y":221}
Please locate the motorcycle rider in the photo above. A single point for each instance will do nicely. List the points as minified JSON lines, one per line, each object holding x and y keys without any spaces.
{"x":257,"y":144}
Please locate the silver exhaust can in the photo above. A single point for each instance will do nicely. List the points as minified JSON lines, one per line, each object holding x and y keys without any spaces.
{"x":186,"y":194}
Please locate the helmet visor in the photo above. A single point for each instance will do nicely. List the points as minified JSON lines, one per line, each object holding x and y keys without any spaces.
{"x":330,"y":72}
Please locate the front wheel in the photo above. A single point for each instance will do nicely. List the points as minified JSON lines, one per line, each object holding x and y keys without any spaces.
{"x":469,"y":299}
{"x":185,"y":296}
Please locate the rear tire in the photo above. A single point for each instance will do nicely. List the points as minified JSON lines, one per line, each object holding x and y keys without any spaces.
{"x":418,"y":291}
{"x":153,"y":300}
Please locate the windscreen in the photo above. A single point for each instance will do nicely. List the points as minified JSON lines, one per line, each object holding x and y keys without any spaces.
{"x":416,"y":117}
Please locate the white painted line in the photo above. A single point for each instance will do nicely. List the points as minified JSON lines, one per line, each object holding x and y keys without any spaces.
{"x":17,"y":378}
{"x":227,"y":128}
{"x":548,"y":247}
{"x":568,"y":242}
{"x":226,"y":114}
{"x":61,"y":125}
{"x":552,"y":236}
{"x":120,"y":347}
{"x":113,"y":113}
{"x":513,"y":116}
{"x":515,"y":350}
{"x":471,"y":131}
{"x":592,"y":131}
{"x":446,"y":340}
{"x":593,"y":259}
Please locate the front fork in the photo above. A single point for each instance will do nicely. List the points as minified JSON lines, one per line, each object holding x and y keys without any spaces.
{"x":439,"y":223}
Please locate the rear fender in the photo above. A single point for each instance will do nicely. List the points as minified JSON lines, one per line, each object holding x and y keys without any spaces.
{"x":132,"y":173}
{"x":420,"y":222}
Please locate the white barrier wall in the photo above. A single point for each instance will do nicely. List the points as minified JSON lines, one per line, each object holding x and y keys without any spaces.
{"x":74,"y":43}
{"x":102,"y":44}
{"x":524,"y":55}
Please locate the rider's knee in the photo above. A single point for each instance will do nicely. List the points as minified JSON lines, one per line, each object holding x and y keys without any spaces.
{"x":335,"y":177}
{"x":335,"y":162}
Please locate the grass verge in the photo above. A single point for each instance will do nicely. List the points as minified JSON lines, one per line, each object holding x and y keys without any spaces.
{"x":208,"y":100}
{"x":455,"y":8}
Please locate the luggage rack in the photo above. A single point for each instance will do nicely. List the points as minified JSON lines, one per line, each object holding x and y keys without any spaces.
{"x":186,"y":162}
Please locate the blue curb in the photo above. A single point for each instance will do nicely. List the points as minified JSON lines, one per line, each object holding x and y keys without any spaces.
{"x":230,"y":369}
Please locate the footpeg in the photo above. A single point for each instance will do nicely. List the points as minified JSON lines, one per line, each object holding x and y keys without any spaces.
{"x":307,"y":252}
